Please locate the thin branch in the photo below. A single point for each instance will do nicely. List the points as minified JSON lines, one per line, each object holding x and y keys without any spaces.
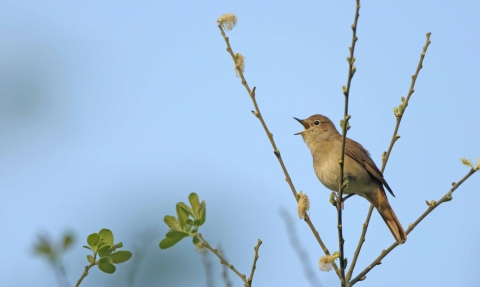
{"x":254,"y":265}
{"x":346,"y":117}
{"x":360,"y":243}
{"x":320,"y":242}
{"x":446,"y":197}
{"x":60,"y":273}
{"x":85,"y":272}
{"x":296,"y":245}
{"x":405,"y":104}
{"x":386,"y":155}
{"x":141,"y":250}
{"x":258,"y":114}
{"x":222,"y":260}
{"x":208,"y":269}
{"x":224,"y":272}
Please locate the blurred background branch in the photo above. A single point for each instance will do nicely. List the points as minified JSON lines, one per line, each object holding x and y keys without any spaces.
{"x":301,"y":253}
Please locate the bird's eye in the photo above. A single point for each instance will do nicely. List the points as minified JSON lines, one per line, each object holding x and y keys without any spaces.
{"x":316,"y":123}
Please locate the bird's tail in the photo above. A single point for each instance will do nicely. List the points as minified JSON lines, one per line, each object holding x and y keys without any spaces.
{"x":380,"y":201}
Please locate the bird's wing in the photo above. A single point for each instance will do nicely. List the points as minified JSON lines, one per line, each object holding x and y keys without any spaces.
{"x":362,"y":156}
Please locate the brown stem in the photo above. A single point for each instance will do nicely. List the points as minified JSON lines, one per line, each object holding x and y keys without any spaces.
{"x":302,"y":253}
{"x":254,"y":265}
{"x":207,"y":264}
{"x":85,"y":272}
{"x":222,"y":260}
{"x":258,"y":114}
{"x":320,"y":242}
{"x":446,"y":197}
{"x":224,"y":272}
{"x":386,"y":155}
{"x":360,"y":243}
{"x":60,"y":274}
{"x":346,"y":117}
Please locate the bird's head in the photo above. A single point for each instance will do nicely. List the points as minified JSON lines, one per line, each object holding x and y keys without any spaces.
{"x":317,"y":128}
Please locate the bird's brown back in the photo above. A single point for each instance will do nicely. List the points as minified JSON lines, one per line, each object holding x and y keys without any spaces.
{"x":358,"y":153}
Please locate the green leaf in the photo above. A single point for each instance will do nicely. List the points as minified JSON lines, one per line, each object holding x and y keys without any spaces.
{"x":198,"y":243}
{"x":101,"y":244}
{"x":121,"y":256}
{"x":187,"y":208}
{"x":67,"y":241}
{"x":43,"y":246}
{"x":105,"y":259}
{"x":106,"y":235}
{"x":172,"y":222}
{"x":197,"y":222}
{"x":202,"y":213}
{"x":87,"y":247}
{"x":196,"y":240}
{"x":183,"y":213}
{"x":90,"y":258}
{"x":168,"y":242}
{"x":177,"y":234}
{"x":107,"y":267}
{"x":194,"y":202}
{"x":118,"y":245}
{"x":104,"y":251}
{"x":93,"y":240}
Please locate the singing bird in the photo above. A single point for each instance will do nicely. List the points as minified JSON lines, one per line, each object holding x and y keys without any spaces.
{"x":364,"y":178}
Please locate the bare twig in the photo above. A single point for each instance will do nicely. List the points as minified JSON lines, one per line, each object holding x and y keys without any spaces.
{"x":257,"y":111}
{"x":405,"y":103}
{"x":222,"y":260}
{"x":360,"y":243}
{"x":61,"y":274}
{"x":85,"y":272}
{"x":301,"y":253}
{"x":320,"y":242}
{"x":276,"y":151}
{"x":224,"y":272}
{"x":386,"y":155}
{"x":208,"y":269}
{"x":141,"y":251}
{"x":446,"y":197}
{"x":346,"y":117}
{"x":254,"y":265}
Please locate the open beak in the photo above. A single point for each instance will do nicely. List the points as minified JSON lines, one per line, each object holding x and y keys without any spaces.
{"x":305,"y":125}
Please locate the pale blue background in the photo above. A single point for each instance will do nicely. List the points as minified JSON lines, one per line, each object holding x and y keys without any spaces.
{"x":111,"y":112}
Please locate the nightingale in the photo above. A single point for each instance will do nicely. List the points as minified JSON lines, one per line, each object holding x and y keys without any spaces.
{"x":364,"y":178}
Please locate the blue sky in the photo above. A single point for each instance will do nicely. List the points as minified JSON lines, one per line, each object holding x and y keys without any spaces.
{"x":112,"y":112}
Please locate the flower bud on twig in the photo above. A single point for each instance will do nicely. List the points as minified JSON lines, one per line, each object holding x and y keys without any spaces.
{"x":239,"y":64}
{"x":325,"y":262}
{"x":303,"y":205}
{"x":228,"y":21}
{"x":467,"y":162}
